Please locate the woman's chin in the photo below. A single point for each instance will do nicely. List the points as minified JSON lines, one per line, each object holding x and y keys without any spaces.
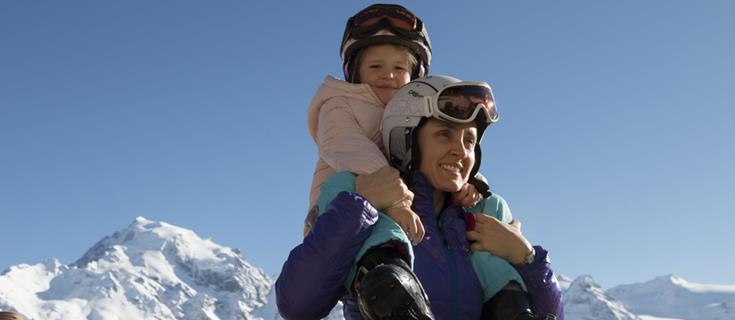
{"x":450,"y":186}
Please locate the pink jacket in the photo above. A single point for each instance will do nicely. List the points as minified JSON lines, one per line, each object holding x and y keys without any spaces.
{"x":344,"y":121}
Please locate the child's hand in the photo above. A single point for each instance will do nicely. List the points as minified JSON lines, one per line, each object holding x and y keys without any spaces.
{"x":409,"y":222}
{"x":467,"y":197}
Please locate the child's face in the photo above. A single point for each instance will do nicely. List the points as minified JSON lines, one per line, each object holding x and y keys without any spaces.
{"x":385,"y":68}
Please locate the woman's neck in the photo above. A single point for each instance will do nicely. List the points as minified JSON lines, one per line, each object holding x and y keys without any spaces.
{"x":439,"y":198}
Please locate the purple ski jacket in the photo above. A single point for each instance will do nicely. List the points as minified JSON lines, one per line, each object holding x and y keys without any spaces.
{"x":313,"y":277}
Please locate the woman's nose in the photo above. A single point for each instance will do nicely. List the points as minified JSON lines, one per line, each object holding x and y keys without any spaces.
{"x":459,"y":149}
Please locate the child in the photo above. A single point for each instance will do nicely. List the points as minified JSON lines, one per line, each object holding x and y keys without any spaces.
{"x":344,"y":117}
{"x":383,"y":48}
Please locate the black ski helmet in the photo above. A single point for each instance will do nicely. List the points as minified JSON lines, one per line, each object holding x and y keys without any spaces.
{"x":385,"y":24}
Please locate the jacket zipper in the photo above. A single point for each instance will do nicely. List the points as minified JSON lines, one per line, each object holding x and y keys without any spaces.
{"x":452,"y":270}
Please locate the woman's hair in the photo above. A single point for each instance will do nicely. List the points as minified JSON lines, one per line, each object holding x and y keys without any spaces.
{"x":413,"y":62}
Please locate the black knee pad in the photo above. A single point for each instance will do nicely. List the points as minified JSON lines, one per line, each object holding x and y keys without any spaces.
{"x":388,"y":289}
{"x":508,"y":305}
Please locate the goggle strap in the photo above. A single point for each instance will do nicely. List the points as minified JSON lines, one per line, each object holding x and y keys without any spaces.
{"x":428,"y":106}
{"x":365,"y":32}
{"x":388,"y":11}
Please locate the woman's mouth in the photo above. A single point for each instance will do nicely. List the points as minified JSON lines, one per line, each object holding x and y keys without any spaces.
{"x":451,"y":167}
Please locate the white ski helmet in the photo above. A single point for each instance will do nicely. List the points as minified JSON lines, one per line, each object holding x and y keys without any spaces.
{"x":441,"y":97}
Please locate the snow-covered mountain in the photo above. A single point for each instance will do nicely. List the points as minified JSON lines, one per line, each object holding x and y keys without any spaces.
{"x":677,"y":298}
{"x":585,"y":300}
{"x":154,"y":270}
{"x":150,"y":270}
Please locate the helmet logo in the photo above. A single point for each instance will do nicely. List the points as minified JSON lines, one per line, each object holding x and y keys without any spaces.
{"x":415,"y":94}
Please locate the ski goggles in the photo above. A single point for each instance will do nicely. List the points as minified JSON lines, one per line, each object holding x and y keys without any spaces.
{"x":461,"y":103}
{"x":382,"y":16}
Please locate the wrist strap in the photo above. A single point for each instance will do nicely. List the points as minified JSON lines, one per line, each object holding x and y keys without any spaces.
{"x":528,"y":259}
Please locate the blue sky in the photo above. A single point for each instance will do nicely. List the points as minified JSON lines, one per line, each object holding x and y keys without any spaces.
{"x":615,"y":145}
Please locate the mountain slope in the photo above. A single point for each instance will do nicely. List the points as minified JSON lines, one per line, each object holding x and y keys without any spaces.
{"x":150,"y":270}
{"x":154,"y":270}
{"x":672,"y":296}
{"x":585,"y":300}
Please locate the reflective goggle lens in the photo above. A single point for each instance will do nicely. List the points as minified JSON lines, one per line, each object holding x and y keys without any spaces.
{"x":396,"y":16}
{"x":462,"y":103}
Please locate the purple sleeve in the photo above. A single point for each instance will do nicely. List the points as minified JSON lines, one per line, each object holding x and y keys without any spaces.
{"x":543,"y":288}
{"x":312,"y":278}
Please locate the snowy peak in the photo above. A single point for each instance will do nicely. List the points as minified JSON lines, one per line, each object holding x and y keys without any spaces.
{"x":585,"y":299}
{"x":144,"y":235}
{"x":676,"y":297}
{"x":668,"y":281}
{"x":564,"y":282}
{"x":673,"y":281}
{"x":150,"y":270}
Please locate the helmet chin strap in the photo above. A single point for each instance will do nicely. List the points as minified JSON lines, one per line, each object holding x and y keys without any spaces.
{"x":412,"y":137}
{"x":481,"y":186}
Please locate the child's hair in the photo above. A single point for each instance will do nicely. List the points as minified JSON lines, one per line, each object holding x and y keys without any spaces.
{"x":412,"y":60}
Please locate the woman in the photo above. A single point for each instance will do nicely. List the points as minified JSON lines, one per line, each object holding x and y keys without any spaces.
{"x":435,"y":146}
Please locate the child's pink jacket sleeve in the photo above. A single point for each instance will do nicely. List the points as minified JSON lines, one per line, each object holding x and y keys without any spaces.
{"x":343,"y":143}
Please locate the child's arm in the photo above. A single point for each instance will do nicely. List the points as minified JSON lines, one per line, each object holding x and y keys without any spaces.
{"x":388,"y":193}
{"x":342,"y":143}
{"x":344,"y":146}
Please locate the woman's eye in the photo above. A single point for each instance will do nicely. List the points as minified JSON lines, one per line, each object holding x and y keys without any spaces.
{"x":470,"y":140}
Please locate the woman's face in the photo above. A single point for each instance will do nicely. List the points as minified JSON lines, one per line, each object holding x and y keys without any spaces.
{"x":447,"y":153}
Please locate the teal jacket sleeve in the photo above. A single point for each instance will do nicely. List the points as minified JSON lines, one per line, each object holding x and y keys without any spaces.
{"x":494,"y":206}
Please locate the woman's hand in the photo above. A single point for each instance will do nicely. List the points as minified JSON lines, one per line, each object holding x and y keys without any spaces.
{"x":383,"y":188}
{"x":501,"y":239}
